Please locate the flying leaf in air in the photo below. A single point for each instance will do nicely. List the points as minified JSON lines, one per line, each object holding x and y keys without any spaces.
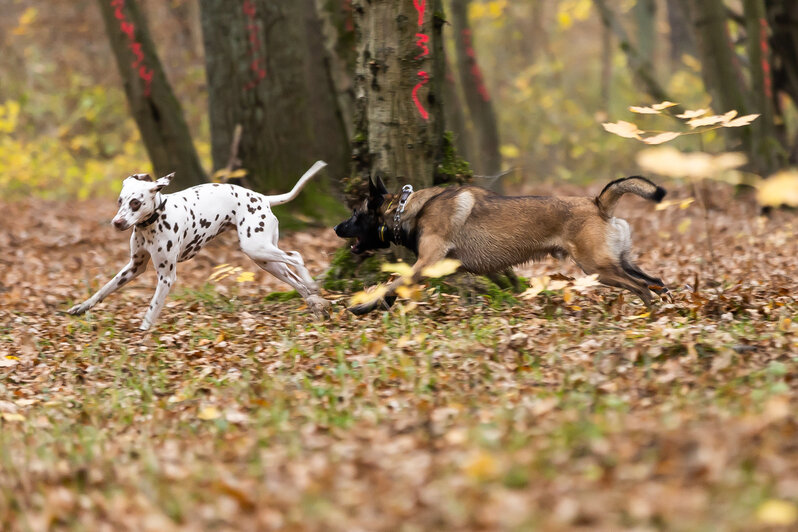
{"x":441,"y":268}
{"x":690,"y":114}
{"x":623,"y":129}
{"x":663,"y":105}
{"x":662,"y":137}
{"x":741,"y":121}
{"x":643,"y":110}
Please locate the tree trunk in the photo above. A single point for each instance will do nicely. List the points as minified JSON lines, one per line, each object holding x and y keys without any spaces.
{"x":454,"y":113}
{"x":645,"y":14}
{"x":399,"y":121}
{"x":642,"y":70}
{"x":338,"y":28}
{"x":266,"y":72}
{"x":477,"y":98}
{"x":152,"y":102}
{"x":681,"y":38}
{"x":765,"y":146}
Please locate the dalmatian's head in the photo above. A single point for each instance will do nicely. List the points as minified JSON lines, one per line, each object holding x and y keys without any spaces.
{"x":138,"y":199}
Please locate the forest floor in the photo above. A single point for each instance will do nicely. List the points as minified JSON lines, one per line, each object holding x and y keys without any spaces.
{"x":566,"y":410}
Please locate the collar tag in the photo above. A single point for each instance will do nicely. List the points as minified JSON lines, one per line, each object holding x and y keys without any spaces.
{"x":407,"y":190}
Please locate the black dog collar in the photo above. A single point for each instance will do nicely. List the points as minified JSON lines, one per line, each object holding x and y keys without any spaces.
{"x":154,"y":216}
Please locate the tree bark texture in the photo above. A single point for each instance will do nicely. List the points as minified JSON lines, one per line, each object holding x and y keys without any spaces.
{"x":480,"y":106}
{"x":338,"y":29}
{"x":152,"y":103}
{"x":398,"y":86}
{"x":645,"y":14}
{"x":266,"y":71}
{"x":681,"y":38}
{"x":642,"y":70}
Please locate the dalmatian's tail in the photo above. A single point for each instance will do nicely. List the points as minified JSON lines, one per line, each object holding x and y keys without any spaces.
{"x":288,"y":196}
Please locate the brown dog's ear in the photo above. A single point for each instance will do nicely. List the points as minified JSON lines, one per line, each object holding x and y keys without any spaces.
{"x":381,"y":186}
{"x":375,"y":196}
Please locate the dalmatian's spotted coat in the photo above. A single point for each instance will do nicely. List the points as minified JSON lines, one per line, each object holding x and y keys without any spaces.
{"x":171,"y":228}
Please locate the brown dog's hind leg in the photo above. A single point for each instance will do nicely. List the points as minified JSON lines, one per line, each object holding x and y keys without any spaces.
{"x":614,"y":275}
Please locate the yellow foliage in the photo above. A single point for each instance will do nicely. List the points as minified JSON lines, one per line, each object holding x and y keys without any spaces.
{"x":777,"y":513}
{"x":779,"y":189}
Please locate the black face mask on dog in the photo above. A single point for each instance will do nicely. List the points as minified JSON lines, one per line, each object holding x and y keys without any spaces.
{"x":366,"y":224}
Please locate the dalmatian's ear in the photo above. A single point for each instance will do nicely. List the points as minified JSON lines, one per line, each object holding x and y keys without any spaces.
{"x":163,"y":182}
{"x":141,"y":177}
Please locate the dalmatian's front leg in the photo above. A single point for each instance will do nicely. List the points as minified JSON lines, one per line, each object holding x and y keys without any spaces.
{"x":138,"y":263}
{"x":166,"y":278}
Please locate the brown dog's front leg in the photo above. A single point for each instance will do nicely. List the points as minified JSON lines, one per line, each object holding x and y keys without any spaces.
{"x":430,"y":250}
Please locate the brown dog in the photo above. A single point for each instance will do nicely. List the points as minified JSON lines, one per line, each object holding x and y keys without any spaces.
{"x":489,"y":233}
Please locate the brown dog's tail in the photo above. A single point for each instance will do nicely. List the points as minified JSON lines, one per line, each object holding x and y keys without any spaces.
{"x":635,"y":184}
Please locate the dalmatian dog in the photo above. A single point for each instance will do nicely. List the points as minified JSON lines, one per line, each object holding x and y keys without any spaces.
{"x":171,"y":228}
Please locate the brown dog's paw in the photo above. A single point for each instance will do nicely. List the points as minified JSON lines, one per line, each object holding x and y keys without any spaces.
{"x":365,"y":308}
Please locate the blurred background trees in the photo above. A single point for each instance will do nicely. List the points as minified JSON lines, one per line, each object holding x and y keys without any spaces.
{"x":374,"y":87}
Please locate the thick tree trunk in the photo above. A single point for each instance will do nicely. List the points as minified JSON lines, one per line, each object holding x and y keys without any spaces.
{"x":152,"y":102}
{"x":454,"y":113}
{"x":398,"y":86}
{"x":765,"y":145}
{"x":480,"y":107}
{"x":267,"y":73}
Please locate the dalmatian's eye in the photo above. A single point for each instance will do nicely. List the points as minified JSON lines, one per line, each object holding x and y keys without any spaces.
{"x":135,"y":204}
{"x":119,"y":202}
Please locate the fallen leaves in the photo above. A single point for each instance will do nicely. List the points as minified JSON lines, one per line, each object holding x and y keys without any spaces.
{"x":573,"y":406}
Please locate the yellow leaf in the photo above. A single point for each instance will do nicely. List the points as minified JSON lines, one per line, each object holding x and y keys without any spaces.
{"x":779,"y":189}
{"x":661,"y":138}
{"x":785,"y":324}
{"x":219,"y":339}
{"x":663,"y":105}
{"x":683,"y":226}
{"x":741,"y":121}
{"x":567,"y":296}
{"x":586,"y":282}
{"x":686,"y":203}
{"x":369,"y":296}
{"x":245,"y":277}
{"x":510,"y":151}
{"x":777,"y":512}
{"x":25,"y":20}
{"x":623,"y":129}
{"x":409,"y":292}
{"x":401,"y":268}
{"x":208,"y":413}
{"x":643,"y":110}
{"x":441,"y":268}
{"x":687,"y":115}
{"x":13,"y":416}
{"x":639,"y":316}
{"x":481,"y":466}
{"x":564,"y":20}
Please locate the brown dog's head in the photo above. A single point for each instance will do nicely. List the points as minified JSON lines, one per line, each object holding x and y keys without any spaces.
{"x":366,"y":224}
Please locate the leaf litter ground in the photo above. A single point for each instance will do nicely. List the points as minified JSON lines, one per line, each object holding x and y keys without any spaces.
{"x":452,"y":413}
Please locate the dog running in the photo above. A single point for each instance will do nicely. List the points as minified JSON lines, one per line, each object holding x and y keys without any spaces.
{"x":489,"y":233}
{"x":171,"y":228}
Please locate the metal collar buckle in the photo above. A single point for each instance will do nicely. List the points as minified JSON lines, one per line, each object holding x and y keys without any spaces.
{"x":407,"y":190}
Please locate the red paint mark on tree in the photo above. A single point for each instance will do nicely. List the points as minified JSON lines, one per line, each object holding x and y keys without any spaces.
{"x":421,"y":42}
{"x":349,"y":20}
{"x":257,"y":64}
{"x":476,"y":72}
{"x":424,"y":80}
{"x":763,"y":44}
{"x":129,"y":30}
